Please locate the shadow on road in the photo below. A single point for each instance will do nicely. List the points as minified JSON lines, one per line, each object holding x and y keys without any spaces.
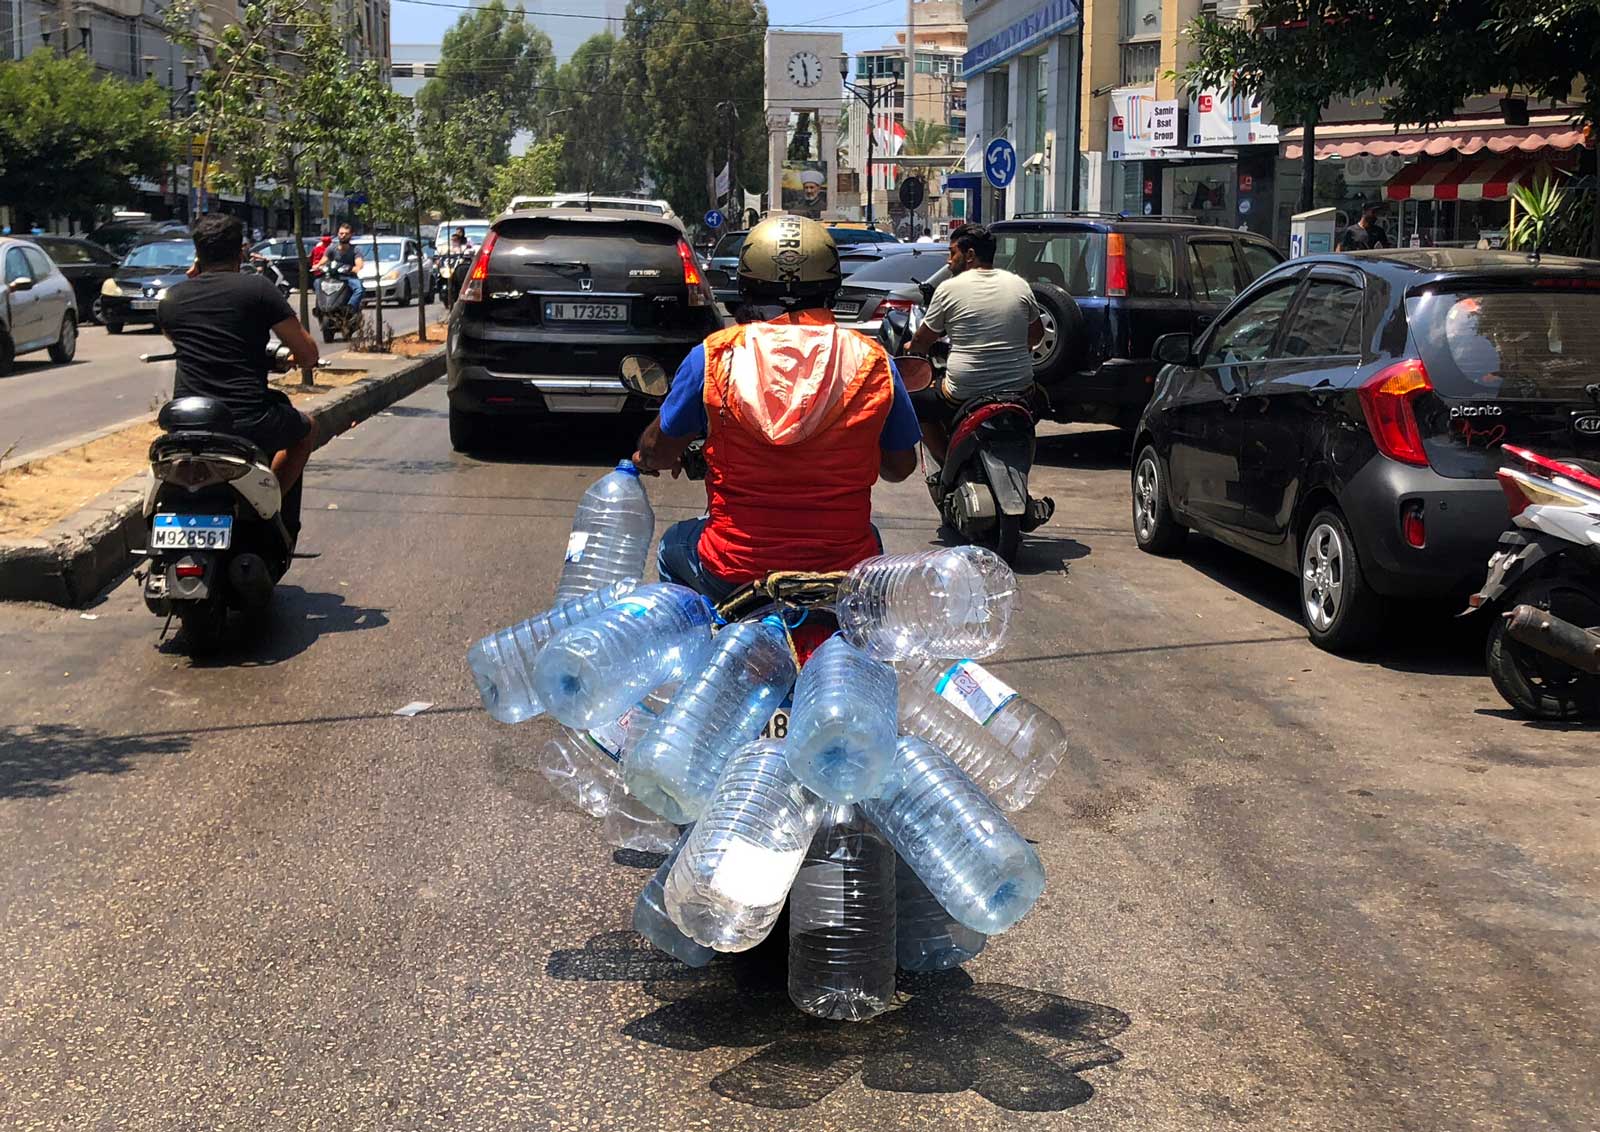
{"x":296,"y":620}
{"x":597,"y":441}
{"x":1089,"y":449}
{"x":1020,"y":1049}
{"x":36,"y":760}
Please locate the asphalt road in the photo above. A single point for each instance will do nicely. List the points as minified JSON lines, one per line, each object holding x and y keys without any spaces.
{"x":1286,"y":890}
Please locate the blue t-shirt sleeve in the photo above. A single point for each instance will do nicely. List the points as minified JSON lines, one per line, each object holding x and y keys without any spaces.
{"x":683,"y":413}
{"x":901,"y":431}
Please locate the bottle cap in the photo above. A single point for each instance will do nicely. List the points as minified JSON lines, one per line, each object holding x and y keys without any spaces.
{"x":627,"y":466}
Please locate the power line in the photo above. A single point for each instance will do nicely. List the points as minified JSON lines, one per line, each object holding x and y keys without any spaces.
{"x":660,"y":20}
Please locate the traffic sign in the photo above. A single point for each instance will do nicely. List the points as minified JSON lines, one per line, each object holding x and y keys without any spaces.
{"x":1000,"y":163}
{"x":715,"y":219}
{"x":356,"y":199}
{"x":912,"y":192}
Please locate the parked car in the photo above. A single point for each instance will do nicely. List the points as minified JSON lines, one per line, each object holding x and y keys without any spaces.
{"x":130,"y":297}
{"x":556,"y":301}
{"x":85,"y":264}
{"x":399,"y":267}
{"x":121,"y":236}
{"x":1108,"y":287}
{"x":1343,"y":419}
{"x":37,"y":310}
{"x":891,"y":282}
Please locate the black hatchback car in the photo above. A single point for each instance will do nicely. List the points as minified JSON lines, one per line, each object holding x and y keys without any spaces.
{"x":132,"y":295}
{"x":552,"y":304}
{"x":1343,"y":420}
{"x":1108,"y":286}
{"x":85,"y":264}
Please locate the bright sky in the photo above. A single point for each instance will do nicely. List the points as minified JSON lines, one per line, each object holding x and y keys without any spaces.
{"x":417,"y":23}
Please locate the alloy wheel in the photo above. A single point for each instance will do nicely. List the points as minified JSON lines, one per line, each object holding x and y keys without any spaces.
{"x":69,"y":337}
{"x":1047,"y":345}
{"x":1146,"y":482}
{"x":1322,"y":576}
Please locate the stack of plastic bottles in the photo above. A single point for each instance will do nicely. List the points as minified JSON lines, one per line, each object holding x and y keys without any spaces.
{"x":879,"y":819}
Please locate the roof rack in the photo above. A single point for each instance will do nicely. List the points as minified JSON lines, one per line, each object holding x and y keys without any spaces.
{"x":1081,"y":214}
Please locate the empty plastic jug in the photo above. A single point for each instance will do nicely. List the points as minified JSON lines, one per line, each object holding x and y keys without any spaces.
{"x":842,"y":921}
{"x":936,"y":603}
{"x":502,"y":663}
{"x":611,"y":533}
{"x":630,"y":824}
{"x":948,"y":832}
{"x":719,"y":709}
{"x":842,"y":726}
{"x":590,"y":673}
{"x":1007,"y":744}
{"x":927,"y":938}
{"x":650,"y":917}
{"x":585,"y":767}
{"x":729,"y":883}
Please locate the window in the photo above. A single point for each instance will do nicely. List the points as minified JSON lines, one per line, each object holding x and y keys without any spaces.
{"x":1248,"y":333}
{"x":1327,"y":322}
{"x":1503,"y":345}
{"x":1258,"y":259}
{"x":1141,"y":18}
{"x":38,"y":263}
{"x":1212,"y":272}
{"x":1140,"y":62}
{"x":16,"y":265}
{"x":1071,"y":260}
{"x":66,"y":251}
{"x":1151,"y":268}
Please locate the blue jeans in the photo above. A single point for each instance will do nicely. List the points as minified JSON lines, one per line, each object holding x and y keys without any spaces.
{"x":678,"y":560}
{"x":355,"y":293}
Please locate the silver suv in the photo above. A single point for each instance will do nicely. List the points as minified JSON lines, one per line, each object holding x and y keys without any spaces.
{"x":37,"y":310}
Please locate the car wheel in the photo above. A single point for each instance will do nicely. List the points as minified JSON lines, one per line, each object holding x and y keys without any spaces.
{"x":466,"y":431}
{"x":113,"y":328}
{"x":327,"y":333}
{"x":1062,"y":350}
{"x":1540,"y":686}
{"x":1341,"y":610}
{"x":405,"y":295}
{"x":66,"y":346}
{"x":1154,"y":527}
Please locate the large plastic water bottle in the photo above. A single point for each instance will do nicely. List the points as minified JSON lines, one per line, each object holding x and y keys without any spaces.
{"x":927,"y":938}
{"x":650,"y":917}
{"x":590,"y":673}
{"x":502,"y":663}
{"x":585,"y":767}
{"x":842,"y":921}
{"x":719,"y":709}
{"x":630,"y":824}
{"x":1007,"y":744}
{"x":935,"y":603}
{"x":945,"y":828}
{"x":842,"y":726}
{"x":611,"y":533}
{"x":729,"y":884}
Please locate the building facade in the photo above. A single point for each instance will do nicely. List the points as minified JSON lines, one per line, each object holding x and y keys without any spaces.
{"x":569,"y":22}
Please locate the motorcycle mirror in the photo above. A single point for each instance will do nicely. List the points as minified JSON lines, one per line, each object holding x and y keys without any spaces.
{"x":645,"y":375}
{"x":916,"y":373}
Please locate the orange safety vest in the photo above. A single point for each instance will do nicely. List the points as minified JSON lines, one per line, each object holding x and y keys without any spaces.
{"x":795,"y":410}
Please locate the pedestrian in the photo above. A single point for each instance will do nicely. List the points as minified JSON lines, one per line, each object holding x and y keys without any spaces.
{"x":1366,"y":233}
{"x":926,"y":237}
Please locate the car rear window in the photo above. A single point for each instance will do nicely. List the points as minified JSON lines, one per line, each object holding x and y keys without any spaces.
{"x":1073,"y":261}
{"x":729,"y":245}
{"x":1511,"y":345}
{"x":907,"y":267}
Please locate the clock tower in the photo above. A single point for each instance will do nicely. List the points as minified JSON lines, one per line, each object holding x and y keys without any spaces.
{"x":802,"y":75}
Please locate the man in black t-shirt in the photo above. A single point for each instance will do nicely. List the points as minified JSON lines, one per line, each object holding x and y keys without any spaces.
{"x":1365,"y":234}
{"x":218,"y":320}
{"x":345,"y":254}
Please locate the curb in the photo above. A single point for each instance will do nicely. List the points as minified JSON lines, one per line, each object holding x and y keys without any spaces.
{"x":90,"y":550}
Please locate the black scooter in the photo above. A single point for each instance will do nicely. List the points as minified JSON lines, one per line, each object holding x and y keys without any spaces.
{"x":333,"y":309}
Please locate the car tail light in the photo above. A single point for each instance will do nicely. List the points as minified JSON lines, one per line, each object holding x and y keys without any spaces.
{"x":1414,"y":526}
{"x":907,"y":305}
{"x":1116,"y":264}
{"x":1389,"y":402}
{"x":472,"y":289}
{"x":699,"y":293}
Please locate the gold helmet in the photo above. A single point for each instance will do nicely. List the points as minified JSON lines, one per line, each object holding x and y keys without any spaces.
{"x":789,"y":258}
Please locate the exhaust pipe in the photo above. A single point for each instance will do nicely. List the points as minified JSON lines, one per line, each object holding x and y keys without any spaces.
{"x":1554,"y":637}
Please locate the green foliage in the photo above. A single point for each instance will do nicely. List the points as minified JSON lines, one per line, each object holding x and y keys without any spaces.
{"x":70,"y":140}
{"x":588,"y":107}
{"x":491,"y":59}
{"x":1552,"y":218}
{"x":926,"y":137}
{"x":535,"y":173}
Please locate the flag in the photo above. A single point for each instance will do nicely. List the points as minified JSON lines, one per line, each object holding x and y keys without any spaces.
{"x":972,"y":158}
{"x":724,"y":182}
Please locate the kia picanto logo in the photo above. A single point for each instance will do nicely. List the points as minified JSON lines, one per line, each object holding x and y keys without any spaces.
{"x":1587,"y":426}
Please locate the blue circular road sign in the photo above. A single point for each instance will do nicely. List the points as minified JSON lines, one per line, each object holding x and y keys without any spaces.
{"x":1000,"y":163}
{"x":715,"y":219}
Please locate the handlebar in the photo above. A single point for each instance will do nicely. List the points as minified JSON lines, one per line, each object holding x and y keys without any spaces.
{"x":167,"y":357}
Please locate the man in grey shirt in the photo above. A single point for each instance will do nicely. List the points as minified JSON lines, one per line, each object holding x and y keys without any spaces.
{"x":993,"y":324}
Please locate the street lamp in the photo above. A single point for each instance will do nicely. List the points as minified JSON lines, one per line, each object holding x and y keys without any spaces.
{"x":871,"y":97}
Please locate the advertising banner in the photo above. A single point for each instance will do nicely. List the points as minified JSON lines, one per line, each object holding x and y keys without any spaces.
{"x":1222,"y":117}
{"x":1141,"y":125}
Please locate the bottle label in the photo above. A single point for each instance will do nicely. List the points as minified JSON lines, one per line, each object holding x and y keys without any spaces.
{"x":614,"y":738}
{"x":631,"y":607}
{"x":576,"y":542}
{"x":755,"y":875}
{"x":974,"y":689}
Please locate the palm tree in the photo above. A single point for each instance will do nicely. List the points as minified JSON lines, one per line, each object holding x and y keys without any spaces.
{"x":925,"y":138}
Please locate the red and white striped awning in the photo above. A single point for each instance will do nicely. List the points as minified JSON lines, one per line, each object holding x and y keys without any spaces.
{"x":1487,"y":179}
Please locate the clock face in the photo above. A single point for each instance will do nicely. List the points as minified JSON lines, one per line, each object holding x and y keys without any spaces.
{"x":805,"y":69}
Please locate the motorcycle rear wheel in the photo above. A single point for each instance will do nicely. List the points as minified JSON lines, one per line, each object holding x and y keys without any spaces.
{"x":1008,"y":537}
{"x":1539,"y":686}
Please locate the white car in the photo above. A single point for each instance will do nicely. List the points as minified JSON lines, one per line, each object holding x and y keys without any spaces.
{"x":37,"y":309}
{"x":476,"y":231}
{"x":399,"y":266}
{"x":583,"y":200}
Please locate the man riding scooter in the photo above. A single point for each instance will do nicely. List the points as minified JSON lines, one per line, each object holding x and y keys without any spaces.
{"x":344,"y":254}
{"x":801,"y":418}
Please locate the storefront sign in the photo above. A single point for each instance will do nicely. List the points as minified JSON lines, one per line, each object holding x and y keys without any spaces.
{"x":1221,"y":117}
{"x":1246,"y":182}
{"x":1053,"y":18}
{"x":1141,"y":125}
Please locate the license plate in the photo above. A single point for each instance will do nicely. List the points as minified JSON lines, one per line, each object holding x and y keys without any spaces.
{"x":143,"y":304}
{"x":778,"y":726}
{"x":585,"y":312}
{"x":849,"y":310}
{"x":191,"y":532}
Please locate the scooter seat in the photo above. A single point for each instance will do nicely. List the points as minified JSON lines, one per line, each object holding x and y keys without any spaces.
{"x":206,"y":414}
{"x":195,"y":442}
{"x":1001,"y":402}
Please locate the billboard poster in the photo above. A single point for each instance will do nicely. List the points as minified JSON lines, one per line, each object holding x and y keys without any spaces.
{"x":805,"y":188}
{"x":1223,"y":117}
{"x":1141,"y":125}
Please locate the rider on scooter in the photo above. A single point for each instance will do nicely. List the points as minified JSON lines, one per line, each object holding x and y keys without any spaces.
{"x":801,"y":417}
{"x":993,"y":324}
{"x":344,"y":254}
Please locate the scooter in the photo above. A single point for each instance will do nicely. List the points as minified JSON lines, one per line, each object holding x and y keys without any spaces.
{"x":981,"y":490}
{"x":265,"y":267}
{"x":1543,"y":652}
{"x":333,"y":309}
{"x":221,"y":533}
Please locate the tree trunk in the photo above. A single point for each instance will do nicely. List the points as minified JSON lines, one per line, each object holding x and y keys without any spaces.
{"x":1308,"y":164}
{"x":300,"y":252}
{"x":422,"y":285}
{"x":377,"y":293}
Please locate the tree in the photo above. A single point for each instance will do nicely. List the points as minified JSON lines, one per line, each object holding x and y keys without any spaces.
{"x":1299,"y":56}
{"x":588,"y":107}
{"x":492,"y":53}
{"x":71,"y":140}
{"x":926,"y":137}
{"x":535,"y":173}
{"x":468,"y":142}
